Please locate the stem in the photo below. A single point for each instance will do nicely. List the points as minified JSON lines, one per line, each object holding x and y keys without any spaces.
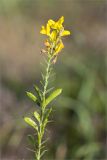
{"x":47,"y":76}
{"x":41,"y":131}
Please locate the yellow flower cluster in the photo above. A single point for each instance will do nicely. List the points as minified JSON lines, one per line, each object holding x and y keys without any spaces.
{"x":54,"y":31}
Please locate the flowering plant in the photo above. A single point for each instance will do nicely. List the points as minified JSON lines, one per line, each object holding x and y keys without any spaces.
{"x":53,"y":45}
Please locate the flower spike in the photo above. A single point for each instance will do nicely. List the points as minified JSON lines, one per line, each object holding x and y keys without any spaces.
{"x":54,"y":31}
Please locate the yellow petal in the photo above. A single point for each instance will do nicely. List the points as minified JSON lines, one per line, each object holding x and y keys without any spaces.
{"x":43,"y":30}
{"x":61,"y":20}
{"x":51,"y":22}
{"x":59,"y":47}
{"x":53,"y":35}
{"x":65,"y":33}
{"x":48,"y":29}
{"x":58,"y":25}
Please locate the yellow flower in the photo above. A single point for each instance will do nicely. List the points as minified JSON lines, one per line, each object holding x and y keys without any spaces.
{"x":51,"y":22}
{"x":55,"y":31}
{"x":58,"y":25}
{"x":55,"y":26}
{"x":65,"y":33}
{"x":58,"y":48}
{"x":53,"y":36}
{"x":45,"y":30}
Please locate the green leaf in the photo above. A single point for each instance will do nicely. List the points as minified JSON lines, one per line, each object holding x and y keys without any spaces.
{"x":37,"y":116}
{"x":43,"y":103}
{"x":45,"y":120}
{"x":44,"y":141}
{"x":43,"y":153}
{"x":53,"y":95}
{"x":38,"y":92}
{"x":31,"y":139}
{"x":31,"y":123}
{"x":31,"y":96}
{"x":49,"y":90}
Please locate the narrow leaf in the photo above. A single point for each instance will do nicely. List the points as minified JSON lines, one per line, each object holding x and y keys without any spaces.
{"x":43,"y":153}
{"x":49,"y":90}
{"x":44,"y":141}
{"x":37,"y":116}
{"x":45,"y":121}
{"x":42,"y":83}
{"x":38,"y":92}
{"x":31,"y":150}
{"x":53,"y":96}
{"x":31,"y":96}
{"x":31,"y":123}
{"x":31,"y":139}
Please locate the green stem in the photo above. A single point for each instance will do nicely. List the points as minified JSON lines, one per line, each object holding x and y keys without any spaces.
{"x":41,"y":131}
{"x":47,"y":76}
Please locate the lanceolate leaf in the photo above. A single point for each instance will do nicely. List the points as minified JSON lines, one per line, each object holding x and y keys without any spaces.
{"x":42,"y":83}
{"x":31,"y":123}
{"x":49,"y":90}
{"x":37,"y":116}
{"x":31,"y":139}
{"x":31,"y":96}
{"x":45,"y":121}
{"x":43,"y":153}
{"x":53,"y":96}
{"x":38,"y":92}
{"x":44,"y":141}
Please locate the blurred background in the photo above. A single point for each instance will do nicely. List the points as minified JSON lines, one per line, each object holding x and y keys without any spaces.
{"x":78,"y":130}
